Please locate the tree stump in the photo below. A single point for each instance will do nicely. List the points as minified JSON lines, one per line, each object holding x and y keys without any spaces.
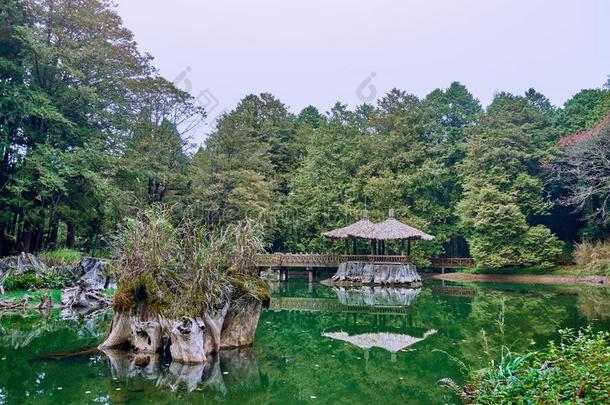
{"x":187,"y":341}
{"x":240,"y":325}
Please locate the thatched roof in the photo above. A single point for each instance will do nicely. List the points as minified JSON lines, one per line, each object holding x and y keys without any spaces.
{"x":393,"y":229}
{"x":390,"y":229}
{"x":356,"y":230}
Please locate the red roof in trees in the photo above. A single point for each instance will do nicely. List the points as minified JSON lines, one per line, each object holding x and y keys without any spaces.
{"x":584,"y":135}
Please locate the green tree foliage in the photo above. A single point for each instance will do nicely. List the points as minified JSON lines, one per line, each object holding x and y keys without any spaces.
{"x":154,"y":159}
{"x":244,"y":167}
{"x":72,"y":82}
{"x":583,"y":111}
{"x":503,"y":185}
{"x":91,"y":132}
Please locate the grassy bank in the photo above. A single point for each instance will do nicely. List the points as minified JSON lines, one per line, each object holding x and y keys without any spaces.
{"x":34,"y":295}
{"x":574,"y":370}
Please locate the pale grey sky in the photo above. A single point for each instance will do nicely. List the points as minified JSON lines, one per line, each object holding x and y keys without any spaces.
{"x":320,"y":51}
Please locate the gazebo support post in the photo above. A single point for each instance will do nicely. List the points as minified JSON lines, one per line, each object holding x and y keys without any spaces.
{"x":354,"y":246}
{"x":409,"y":248}
{"x":346,"y":246}
{"x":402,"y":247}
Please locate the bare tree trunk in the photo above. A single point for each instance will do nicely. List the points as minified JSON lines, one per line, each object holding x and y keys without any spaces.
{"x":24,"y":241}
{"x":71,"y":235}
{"x":146,"y":335}
{"x":120,"y":331}
{"x":37,"y":239}
{"x":52,"y":237}
{"x":239,"y":326}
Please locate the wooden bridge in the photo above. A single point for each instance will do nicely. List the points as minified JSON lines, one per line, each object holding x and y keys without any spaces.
{"x":311,"y":260}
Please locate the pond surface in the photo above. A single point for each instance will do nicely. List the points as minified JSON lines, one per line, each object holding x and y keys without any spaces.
{"x":315,"y":344}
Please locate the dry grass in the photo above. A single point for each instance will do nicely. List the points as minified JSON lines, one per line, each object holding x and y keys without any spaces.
{"x":184,"y":270}
{"x":593,"y":257}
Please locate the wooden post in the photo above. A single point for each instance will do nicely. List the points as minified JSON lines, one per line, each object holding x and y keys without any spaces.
{"x":409,"y":248}
{"x":402,"y":247}
{"x":310,"y":274}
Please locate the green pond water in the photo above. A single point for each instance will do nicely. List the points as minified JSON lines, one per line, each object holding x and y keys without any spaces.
{"x":400,"y":342}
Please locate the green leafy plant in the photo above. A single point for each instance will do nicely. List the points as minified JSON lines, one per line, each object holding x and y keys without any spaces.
{"x":33,"y":281}
{"x":574,"y":370}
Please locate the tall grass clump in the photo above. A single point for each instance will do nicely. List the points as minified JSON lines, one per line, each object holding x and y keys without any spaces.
{"x":60,"y":257}
{"x":593,"y":256}
{"x":246,"y":240}
{"x":180,"y":269}
{"x":148,"y":261}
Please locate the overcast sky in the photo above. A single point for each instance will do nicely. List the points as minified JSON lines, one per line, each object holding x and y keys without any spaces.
{"x":322,"y":51}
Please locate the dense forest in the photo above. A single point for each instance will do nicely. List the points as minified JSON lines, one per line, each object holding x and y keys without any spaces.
{"x":91,"y":133}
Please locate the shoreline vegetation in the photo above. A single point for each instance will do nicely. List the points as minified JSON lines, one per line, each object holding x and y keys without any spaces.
{"x":576,"y":369}
{"x":565,"y":274}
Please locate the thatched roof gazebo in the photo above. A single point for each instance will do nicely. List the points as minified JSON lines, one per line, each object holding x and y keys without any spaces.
{"x":390,"y":229}
{"x":393,"y":229}
{"x":354,"y":231}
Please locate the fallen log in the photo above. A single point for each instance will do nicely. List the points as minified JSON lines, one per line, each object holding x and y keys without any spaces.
{"x":82,"y":296}
{"x":14,"y":304}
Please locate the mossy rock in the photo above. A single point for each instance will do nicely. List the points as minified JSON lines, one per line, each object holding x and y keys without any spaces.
{"x":248,"y":285}
{"x":144,"y":290}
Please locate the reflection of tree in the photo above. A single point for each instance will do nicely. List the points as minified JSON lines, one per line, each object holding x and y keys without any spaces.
{"x":28,"y":340}
{"x":20,"y":330}
{"x":594,"y":304}
{"x":291,"y":360}
{"x":512,"y":319}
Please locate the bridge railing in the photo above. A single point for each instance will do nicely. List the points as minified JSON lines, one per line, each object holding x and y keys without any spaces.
{"x":331,"y":260}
